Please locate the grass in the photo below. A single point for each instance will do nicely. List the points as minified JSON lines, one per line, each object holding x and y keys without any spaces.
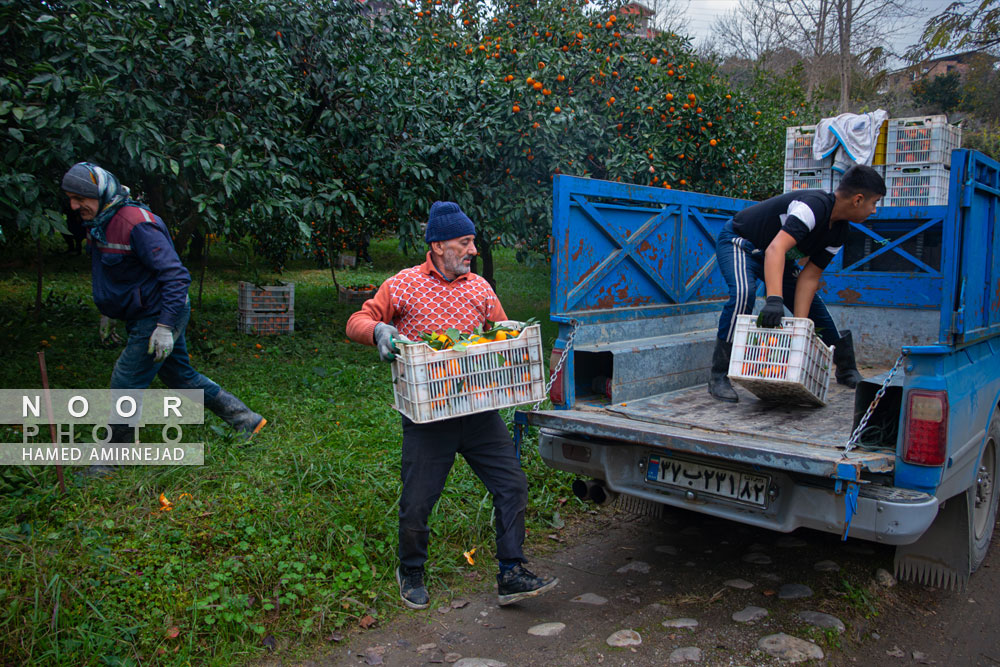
{"x":277,"y":543}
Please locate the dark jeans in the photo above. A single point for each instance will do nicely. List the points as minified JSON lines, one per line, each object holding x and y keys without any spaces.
{"x":428,"y":454}
{"x":135,"y":368}
{"x":742,"y":266}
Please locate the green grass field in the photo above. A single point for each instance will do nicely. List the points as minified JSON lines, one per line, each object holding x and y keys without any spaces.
{"x":291,"y":537}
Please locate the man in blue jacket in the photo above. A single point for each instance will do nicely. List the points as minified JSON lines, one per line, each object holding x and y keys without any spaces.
{"x":137,"y":277}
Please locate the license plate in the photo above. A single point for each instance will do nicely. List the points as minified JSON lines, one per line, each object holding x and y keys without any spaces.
{"x":742,"y":487}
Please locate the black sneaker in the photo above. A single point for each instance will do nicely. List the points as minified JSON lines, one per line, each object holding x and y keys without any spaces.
{"x":411,"y":588}
{"x":518,"y":583}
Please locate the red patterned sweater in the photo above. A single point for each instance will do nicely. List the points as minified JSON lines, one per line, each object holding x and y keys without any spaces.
{"x":419,"y":299}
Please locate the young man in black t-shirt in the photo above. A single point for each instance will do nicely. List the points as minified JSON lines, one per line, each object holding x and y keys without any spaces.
{"x":766,"y":241}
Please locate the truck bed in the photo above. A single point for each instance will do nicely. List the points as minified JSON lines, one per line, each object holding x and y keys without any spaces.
{"x":799,"y":439}
{"x":694,"y":408}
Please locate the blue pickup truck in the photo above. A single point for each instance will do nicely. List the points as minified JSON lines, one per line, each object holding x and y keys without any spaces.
{"x":637,"y":296}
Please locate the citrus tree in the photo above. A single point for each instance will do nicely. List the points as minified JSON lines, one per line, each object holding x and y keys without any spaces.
{"x":492,"y":101}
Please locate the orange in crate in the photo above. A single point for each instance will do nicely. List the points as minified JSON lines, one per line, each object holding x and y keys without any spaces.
{"x":788,"y":365}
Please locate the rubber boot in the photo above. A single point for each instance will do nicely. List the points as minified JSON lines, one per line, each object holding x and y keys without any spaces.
{"x":718,"y":383}
{"x":121,"y":434}
{"x":843,"y":357}
{"x":233,"y":411}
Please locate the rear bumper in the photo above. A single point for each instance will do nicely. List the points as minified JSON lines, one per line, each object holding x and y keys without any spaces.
{"x":884,"y":514}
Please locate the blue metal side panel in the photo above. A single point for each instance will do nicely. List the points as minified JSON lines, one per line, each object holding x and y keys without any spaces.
{"x":978,"y":281}
{"x":625,"y":251}
{"x":971,"y":376}
{"x":919,"y":282}
{"x":621,"y":247}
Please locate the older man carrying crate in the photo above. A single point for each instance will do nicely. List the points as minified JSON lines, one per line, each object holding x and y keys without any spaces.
{"x":442,"y":294}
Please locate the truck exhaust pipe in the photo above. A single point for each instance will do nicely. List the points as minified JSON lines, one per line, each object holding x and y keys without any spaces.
{"x":594,"y":491}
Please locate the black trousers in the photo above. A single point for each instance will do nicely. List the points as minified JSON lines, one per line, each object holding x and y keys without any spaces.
{"x":428,"y":455}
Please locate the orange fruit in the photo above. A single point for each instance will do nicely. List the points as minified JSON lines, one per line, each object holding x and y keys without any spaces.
{"x":557,"y":110}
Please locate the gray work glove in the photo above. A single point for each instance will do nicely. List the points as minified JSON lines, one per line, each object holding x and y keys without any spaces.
{"x":384,"y":333}
{"x":108,"y":332}
{"x":161,"y":343}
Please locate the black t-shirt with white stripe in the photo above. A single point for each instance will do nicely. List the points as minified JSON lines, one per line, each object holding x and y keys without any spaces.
{"x":805,"y":215}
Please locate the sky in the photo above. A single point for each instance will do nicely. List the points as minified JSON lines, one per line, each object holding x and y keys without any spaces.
{"x":702,"y":14}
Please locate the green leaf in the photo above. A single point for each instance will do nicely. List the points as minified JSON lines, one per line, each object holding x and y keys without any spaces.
{"x":16,"y":133}
{"x":85,"y":133}
{"x":176,"y":169}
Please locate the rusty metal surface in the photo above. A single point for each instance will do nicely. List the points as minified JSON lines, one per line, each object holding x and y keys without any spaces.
{"x":785,"y":451}
{"x":694,"y":408}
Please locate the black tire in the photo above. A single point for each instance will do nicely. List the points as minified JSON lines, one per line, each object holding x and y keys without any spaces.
{"x":984,"y":495}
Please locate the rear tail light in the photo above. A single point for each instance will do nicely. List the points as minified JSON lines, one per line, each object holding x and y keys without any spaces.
{"x":556,"y":393}
{"x":925,"y":440}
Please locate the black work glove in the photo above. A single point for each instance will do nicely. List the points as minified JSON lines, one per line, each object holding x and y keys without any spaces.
{"x":772,"y":312}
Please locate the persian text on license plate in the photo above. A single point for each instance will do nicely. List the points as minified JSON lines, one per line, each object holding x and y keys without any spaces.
{"x":678,"y":473}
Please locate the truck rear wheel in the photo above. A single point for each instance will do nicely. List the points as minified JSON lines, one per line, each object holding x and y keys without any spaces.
{"x":983,"y":496}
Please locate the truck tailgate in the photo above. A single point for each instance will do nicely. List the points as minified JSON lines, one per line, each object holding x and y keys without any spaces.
{"x":796,"y":439}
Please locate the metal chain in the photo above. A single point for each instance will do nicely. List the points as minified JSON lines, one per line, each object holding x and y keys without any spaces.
{"x":852,"y":441}
{"x":562,"y":360}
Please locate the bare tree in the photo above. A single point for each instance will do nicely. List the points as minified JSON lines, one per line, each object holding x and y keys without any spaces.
{"x":669,"y":15}
{"x":749,"y":31}
{"x":834,"y":37}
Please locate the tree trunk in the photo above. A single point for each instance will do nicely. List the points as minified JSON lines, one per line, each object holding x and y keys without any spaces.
{"x":185,"y":232}
{"x":38,"y":280}
{"x":204,"y":265}
{"x":486,"y":252}
{"x":844,"y":20}
{"x":329,"y":252}
{"x":196,"y":248}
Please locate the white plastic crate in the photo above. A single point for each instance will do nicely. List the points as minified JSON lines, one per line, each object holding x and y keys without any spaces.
{"x":838,"y":175}
{"x":789,"y":365}
{"x":266,"y":323}
{"x":432,"y":385}
{"x":799,"y":149}
{"x":807,"y":179}
{"x":266,"y":310}
{"x":921,"y":139}
{"x":916,"y":185}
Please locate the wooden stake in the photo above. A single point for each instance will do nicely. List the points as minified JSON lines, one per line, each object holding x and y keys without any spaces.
{"x":48,"y":406}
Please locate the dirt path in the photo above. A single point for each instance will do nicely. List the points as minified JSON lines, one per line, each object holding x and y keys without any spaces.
{"x":642,"y":572}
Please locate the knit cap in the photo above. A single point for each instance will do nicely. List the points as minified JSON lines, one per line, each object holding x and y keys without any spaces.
{"x":447,"y":221}
{"x":80,"y":180}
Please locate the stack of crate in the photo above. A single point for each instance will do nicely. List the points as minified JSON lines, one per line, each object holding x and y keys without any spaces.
{"x":918,"y":160}
{"x":912,"y":154}
{"x":266,"y":309}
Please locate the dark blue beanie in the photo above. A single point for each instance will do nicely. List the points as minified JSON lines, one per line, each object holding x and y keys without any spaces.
{"x":446,"y":221}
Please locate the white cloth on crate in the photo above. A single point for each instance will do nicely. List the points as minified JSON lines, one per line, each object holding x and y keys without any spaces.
{"x":855,"y":135}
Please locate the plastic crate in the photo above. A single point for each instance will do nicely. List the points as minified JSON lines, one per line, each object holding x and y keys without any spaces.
{"x":799,"y":149}
{"x":348,"y":295}
{"x":916,"y":185}
{"x":880,"y":144}
{"x":838,"y":175}
{"x":807,"y":179}
{"x":266,"y":323}
{"x":789,"y":365}
{"x":267,"y":298}
{"x":431,"y":385}
{"x":922,"y":139}
{"x":266,"y":310}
